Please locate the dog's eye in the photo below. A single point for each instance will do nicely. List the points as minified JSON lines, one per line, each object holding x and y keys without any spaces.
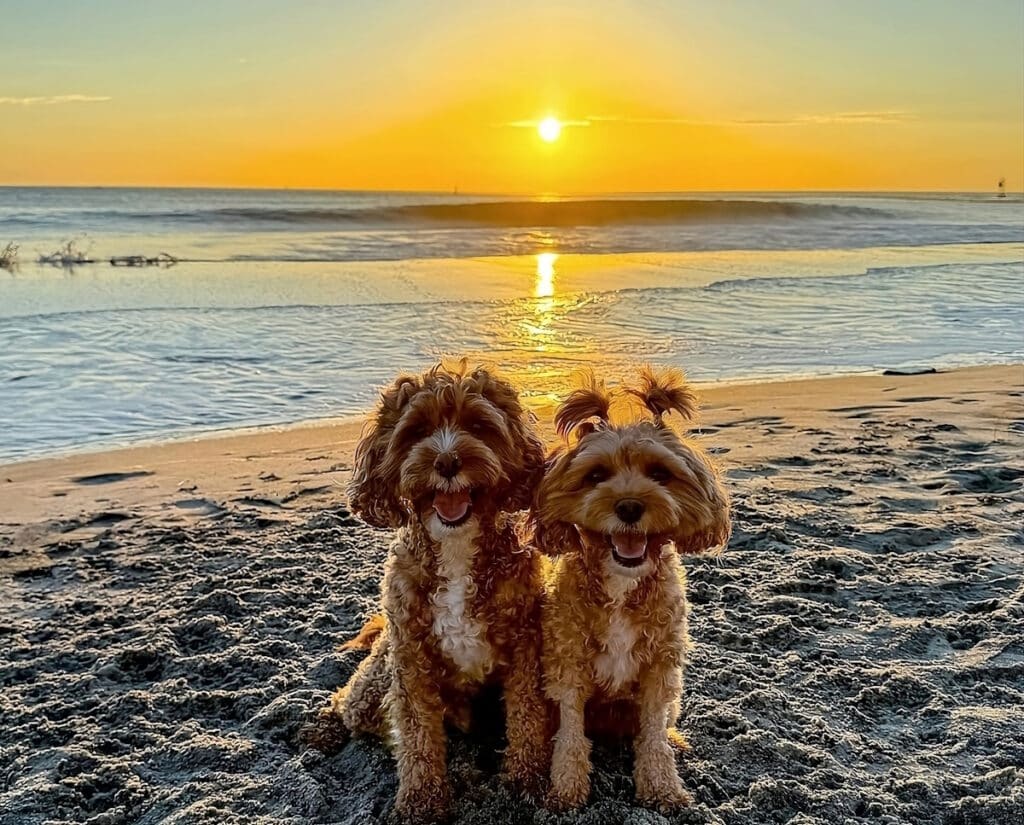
{"x":659,"y":473}
{"x":597,"y":475}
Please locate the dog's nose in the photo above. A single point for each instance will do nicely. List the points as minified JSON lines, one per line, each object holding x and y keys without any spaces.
{"x":629,"y":510}
{"x":448,"y":465}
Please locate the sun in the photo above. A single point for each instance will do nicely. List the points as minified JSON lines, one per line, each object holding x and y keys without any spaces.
{"x":549,"y":129}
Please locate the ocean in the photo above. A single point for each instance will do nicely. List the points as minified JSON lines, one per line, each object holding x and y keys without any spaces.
{"x":287,"y":306}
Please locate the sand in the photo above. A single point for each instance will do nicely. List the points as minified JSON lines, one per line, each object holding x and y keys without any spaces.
{"x":170,"y":616}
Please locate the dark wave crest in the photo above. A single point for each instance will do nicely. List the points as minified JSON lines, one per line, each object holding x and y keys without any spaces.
{"x":493,"y":214}
{"x":547,"y":213}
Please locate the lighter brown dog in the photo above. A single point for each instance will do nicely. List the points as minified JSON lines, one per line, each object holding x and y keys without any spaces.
{"x":447,"y":457}
{"x":615,"y":508}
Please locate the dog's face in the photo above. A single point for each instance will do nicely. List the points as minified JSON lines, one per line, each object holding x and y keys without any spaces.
{"x":446,"y":447}
{"x":620,"y":494}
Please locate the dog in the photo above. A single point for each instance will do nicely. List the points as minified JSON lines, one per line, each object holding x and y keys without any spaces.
{"x":615,"y":509}
{"x":446,"y":459}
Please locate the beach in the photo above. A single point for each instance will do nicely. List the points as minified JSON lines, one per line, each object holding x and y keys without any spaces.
{"x":232,"y":235}
{"x":171,"y":615}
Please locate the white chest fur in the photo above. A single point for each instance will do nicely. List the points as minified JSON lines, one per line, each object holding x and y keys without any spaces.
{"x":461,"y":636}
{"x":615,"y":666}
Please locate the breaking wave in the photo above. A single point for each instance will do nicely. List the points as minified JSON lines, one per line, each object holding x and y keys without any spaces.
{"x":503,"y":213}
{"x":542,"y":213}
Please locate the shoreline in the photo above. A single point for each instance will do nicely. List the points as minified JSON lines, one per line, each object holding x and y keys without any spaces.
{"x":536,"y":404}
{"x":46,"y":488}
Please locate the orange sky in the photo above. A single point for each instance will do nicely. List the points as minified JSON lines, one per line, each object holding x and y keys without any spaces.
{"x":659,"y":96}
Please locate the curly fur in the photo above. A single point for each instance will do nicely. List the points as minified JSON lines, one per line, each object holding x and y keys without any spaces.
{"x":461,"y":601}
{"x":577,"y":413}
{"x":664,"y":391}
{"x":615,"y":626}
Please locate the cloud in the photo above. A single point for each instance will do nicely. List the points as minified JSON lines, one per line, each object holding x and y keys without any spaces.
{"x":821,"y":119}
{"x":831,"y":118}
{"x":52,"y":100}
{"x":671,"y":121}
{"x":533,"y":124}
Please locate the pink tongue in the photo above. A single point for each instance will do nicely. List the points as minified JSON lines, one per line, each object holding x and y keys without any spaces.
{"x":452,"y":506}
{"x":630,"y":545}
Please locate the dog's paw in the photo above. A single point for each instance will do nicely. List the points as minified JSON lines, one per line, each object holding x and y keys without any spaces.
{"x":326,"y":732}
{"x":567,"y":796}
{"x":665,"y":797}
{"x":427,"y":803}
{"x":528,"y":778}
{"x":561,"y":803}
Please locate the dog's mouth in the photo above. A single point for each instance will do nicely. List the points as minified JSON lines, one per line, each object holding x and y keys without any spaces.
{"x":453,"y":507}
{"x":628,"y":548}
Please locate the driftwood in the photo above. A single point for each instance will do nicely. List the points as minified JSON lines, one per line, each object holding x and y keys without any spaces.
{"x":9,"y":257}
{"x":163,"y":259}
{"x":67,"y":255}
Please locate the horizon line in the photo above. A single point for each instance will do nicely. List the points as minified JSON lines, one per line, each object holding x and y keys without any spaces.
{"x":519,"y":194}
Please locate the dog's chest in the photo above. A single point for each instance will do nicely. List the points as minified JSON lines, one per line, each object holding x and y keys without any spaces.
{"x":461,"y":636}
{"x":615,"y":666}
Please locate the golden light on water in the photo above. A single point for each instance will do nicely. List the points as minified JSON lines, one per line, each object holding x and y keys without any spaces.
{"x":545,"y":287}
{"x":539,"y":340}
{"x":538,"y":326}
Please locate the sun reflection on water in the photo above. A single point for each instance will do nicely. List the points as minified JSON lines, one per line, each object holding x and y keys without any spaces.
{"x":537,"y":338}
{"x":538,"y":326}
{"x":545,"y":287}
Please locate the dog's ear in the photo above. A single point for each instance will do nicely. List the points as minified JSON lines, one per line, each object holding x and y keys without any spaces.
{"x":664,"y":391}
{"x":708,"y":524}
{"x":585,"y":405}
{"x":523,"y":458}
{"x":373,"y":489}
{"x":551,"y":535}
{"x":531,"y":452}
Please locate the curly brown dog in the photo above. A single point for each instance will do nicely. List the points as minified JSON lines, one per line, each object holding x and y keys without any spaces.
{"x":445,"y":459}
{"x":615,"y":508}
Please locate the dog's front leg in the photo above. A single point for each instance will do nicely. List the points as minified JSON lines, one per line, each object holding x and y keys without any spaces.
{"x":526,"y":719}
{"x":570,"y":760}
{"x":361,"y":703}
{"x":657,"y":780}
{"x":417,"y":716}
{"x":358,"y":706}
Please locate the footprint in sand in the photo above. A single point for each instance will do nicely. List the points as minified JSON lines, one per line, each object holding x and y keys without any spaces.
{"x":986,"y":479}
{"x":761,"y":471}
{"x":108,"y":518}
{"x":258,"y":501}
{"x":759,"y":419}
{"x":795,"y":461}
{"x":200,"y":506}
{"x":822,"y":495}
{"x":862,"y":411}
{"x":301,"y":492}
{"x":110,"y":478}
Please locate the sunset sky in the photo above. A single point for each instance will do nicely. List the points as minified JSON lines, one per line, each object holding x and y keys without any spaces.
{"x":740,"y":95}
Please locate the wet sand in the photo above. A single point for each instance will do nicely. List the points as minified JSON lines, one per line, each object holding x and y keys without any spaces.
{"x":170,"y":616}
